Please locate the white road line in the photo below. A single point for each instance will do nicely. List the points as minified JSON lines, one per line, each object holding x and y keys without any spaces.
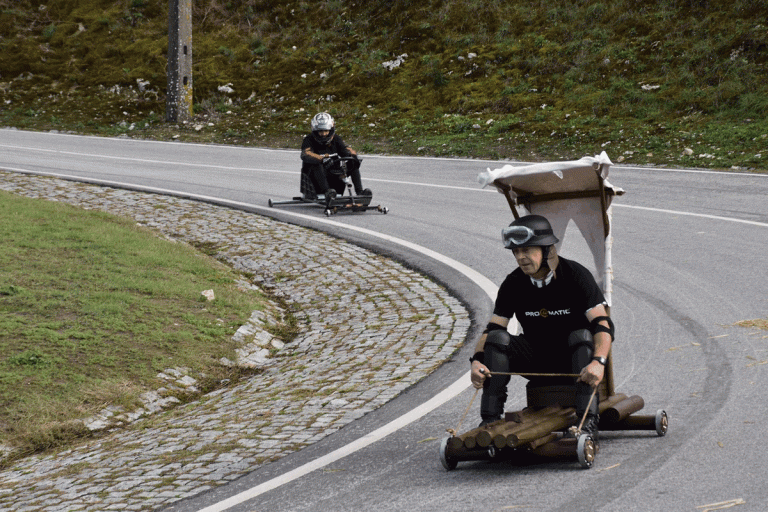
{"x":378,"y":434}
{"x":372,"y":233}
{"x":689,"y":214}
{"x":278,"y":171}
{"x":389,"y":157}
{"x":149,"y":161}
{"x":231,"y":168}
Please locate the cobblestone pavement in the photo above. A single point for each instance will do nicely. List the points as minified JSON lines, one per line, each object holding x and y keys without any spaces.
{"x":373,"y":329}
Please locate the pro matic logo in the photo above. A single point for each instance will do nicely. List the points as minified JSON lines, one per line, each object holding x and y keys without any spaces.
{"x":544,"y":313}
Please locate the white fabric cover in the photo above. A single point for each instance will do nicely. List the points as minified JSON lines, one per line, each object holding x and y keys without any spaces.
{"x":586,"y":213}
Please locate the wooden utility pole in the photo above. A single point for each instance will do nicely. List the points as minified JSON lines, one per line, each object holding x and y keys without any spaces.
{"x":178,"y":102}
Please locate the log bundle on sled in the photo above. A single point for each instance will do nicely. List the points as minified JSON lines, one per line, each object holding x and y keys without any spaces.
{"x":575,"y":192}
{"x":541,"y":432}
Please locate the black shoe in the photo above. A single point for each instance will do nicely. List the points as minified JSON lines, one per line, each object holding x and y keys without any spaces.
{"x":487,"y":420}
{"x":589,"y":427}
{"x":330,"y":195}
{"x":368,"y":192}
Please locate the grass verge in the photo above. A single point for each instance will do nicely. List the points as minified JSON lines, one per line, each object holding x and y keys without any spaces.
{"x":92,"y":308}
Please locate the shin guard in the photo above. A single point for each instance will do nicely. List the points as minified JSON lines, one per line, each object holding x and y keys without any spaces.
{"x":495,"y":387}
{"x":582,"y":347}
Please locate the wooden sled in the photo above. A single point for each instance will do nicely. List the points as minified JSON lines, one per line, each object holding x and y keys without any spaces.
{"x":579,"y":192}
{"x":541,"y":429}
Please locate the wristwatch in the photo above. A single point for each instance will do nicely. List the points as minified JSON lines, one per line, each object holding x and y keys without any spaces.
{"x":600,"y":360}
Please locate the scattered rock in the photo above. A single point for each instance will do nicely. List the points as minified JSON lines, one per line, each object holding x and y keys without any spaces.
{"x":392,"y":64}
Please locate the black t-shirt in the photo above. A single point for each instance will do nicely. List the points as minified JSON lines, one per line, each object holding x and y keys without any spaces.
{"x":335,"y":145}
{"x":549,"y":314}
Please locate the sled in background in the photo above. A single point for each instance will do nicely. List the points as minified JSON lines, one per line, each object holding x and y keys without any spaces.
{"x":344,"y":202}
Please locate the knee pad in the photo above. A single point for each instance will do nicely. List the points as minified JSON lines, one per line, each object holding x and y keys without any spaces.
{"x":498,"y":339}
{"x":582,"y":347}
{"x":496,"y":352}
{"x":580,"y":337}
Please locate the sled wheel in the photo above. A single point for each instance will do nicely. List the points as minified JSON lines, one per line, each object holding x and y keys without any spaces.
{"x":586,"y":449}
{"x":270,"y":203}
{"x":662,"y":422}
{"x":327,"y":212}
{"x":383,"y":209}
{"x":447,"y":462}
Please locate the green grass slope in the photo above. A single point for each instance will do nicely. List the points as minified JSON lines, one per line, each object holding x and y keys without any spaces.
{"x":675,"y":82}
{"x":92,"y":308}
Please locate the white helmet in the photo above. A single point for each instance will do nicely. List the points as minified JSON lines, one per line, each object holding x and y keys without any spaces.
{"x":323,"y":122}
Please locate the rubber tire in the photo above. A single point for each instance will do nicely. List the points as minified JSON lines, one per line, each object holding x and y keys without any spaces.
{"x":448,"y":463}
{"x":270,"y":203}
{"x":586,"y":450}
{"x":662,"y":422}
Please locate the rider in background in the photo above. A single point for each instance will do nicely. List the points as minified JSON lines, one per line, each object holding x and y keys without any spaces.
{"x":316,"y":149}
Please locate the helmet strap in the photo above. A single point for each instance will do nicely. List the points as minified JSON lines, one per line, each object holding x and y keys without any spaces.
{"x":545,"y":256}
{"x":550,"y":258}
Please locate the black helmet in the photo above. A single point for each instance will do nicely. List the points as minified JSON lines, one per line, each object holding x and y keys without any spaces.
{"x":531,"y":230}
{"x":320,"y":123}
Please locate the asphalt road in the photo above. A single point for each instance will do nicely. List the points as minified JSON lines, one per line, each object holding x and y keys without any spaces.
{"x":689,"y":261}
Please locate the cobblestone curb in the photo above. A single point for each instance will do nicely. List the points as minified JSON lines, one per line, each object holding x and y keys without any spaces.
{"x":373,"y":328}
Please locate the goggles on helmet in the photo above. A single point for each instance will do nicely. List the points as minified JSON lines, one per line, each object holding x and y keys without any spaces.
{"x":516,"y":236}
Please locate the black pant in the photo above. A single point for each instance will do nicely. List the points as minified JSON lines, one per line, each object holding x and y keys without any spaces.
{"x":515,"y":354}
{"x":324,"y":179}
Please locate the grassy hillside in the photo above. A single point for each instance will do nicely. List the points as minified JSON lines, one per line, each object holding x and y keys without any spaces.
{"x":681,"y":82}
